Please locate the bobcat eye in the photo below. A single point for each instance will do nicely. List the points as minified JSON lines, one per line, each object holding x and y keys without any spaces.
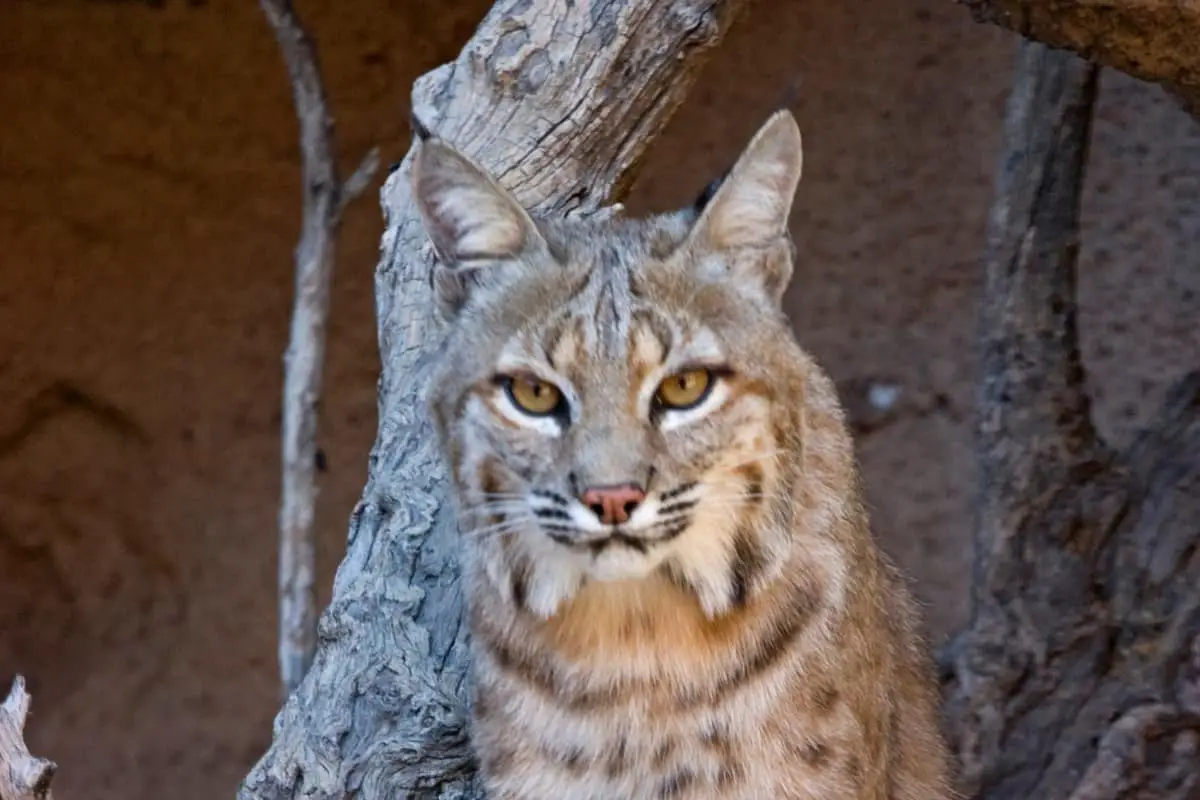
{"x":684,"y":390}
{"x":532,"y":395}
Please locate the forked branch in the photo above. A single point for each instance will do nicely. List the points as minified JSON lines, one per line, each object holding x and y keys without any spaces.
{"x":324,"y":198}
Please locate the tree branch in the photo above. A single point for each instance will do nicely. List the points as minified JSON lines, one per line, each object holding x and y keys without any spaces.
{"x":559,"y":100}
{"x":324,"y":199}
{"x":1154,"y":40}
{"x":22,"y":776}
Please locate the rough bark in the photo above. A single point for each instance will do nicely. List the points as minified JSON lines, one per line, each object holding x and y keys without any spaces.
{"x":1079,"y":674}
{"x":22,"y":776}
{"x":559,"y":99}
{"x":1155,"y":40}
{"x":325,"y":195}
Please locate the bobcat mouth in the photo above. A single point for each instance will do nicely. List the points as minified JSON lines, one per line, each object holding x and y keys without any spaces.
{"x":598,"y":544}
{"x":557,"y":525}
{"x":673,"y":518}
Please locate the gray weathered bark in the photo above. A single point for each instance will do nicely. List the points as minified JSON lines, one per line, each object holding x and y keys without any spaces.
{"x":22,"y":776}
{"x":1079,"y":674}
{"x":560,"y":100}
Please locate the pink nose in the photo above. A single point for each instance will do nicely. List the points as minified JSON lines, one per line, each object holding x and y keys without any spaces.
{"x":613,"y":504}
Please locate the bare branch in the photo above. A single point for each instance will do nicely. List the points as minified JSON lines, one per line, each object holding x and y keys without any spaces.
{"x":1154,"y":40}
{"x":324,"y":199}
{"x":22,"y":776}
{"x":361,"y":178}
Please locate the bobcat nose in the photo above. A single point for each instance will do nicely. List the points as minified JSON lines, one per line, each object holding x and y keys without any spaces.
{"x":613,"y":504}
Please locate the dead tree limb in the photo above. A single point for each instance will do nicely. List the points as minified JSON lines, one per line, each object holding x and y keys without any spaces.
{"x":559,"y":100}
{"x":1154,"y":40}
{"x":324,"y":198}
{"x":22,"y":776}
{"x":1079,"y":674}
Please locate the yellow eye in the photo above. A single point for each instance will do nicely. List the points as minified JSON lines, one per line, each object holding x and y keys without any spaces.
{"x":534,"y":396}
{"x":684,"y":389}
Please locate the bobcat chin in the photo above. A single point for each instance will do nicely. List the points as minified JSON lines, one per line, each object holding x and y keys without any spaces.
{"x":671,"y":583}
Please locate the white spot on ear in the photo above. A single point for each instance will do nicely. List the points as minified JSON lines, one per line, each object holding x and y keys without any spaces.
{"x":477,"y":229}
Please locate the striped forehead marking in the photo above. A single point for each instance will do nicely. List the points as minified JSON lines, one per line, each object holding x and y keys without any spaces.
{"x":612,"y":300}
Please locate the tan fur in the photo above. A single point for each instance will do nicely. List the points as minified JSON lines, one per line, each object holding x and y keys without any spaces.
{"x":741,"y":636}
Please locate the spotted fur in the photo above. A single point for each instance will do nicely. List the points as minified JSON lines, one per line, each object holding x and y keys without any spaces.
{"x":740,"y":635}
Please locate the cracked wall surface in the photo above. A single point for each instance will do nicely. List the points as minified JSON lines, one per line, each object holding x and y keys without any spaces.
{"x":149,"y":203}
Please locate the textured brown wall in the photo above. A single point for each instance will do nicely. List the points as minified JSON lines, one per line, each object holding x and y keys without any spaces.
{"x":149,"y":202}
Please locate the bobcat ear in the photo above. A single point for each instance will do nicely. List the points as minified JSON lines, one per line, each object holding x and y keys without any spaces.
{"x":473,"y":223}
{"x":467,"y":215}
{"x":750,"y":207}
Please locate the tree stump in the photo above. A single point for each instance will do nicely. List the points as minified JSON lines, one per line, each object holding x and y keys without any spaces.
{"x":22,"y":776}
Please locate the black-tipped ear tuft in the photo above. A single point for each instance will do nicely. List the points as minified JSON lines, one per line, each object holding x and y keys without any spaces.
{"x":792,"y":93}
{"x":702,"y":201}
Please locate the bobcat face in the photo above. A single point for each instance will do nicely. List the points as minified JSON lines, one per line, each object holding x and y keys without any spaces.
{"x":614,"y":395}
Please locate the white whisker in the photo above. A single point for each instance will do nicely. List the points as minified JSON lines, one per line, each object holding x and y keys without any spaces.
{"x":504,"y":526}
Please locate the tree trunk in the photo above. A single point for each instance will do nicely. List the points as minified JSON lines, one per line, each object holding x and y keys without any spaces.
{"x":559,"y":100}
{"x":1078,"y":676}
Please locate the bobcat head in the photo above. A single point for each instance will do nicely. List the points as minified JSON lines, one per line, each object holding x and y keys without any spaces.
{"x":619,"y":398}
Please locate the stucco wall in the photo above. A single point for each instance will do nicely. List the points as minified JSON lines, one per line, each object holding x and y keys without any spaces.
{"x":149,"y":202}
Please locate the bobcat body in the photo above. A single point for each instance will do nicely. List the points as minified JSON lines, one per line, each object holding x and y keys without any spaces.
{"x":671,"y":584}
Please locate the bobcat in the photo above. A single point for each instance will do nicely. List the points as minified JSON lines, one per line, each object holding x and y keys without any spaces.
{"x":671,"y":585}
